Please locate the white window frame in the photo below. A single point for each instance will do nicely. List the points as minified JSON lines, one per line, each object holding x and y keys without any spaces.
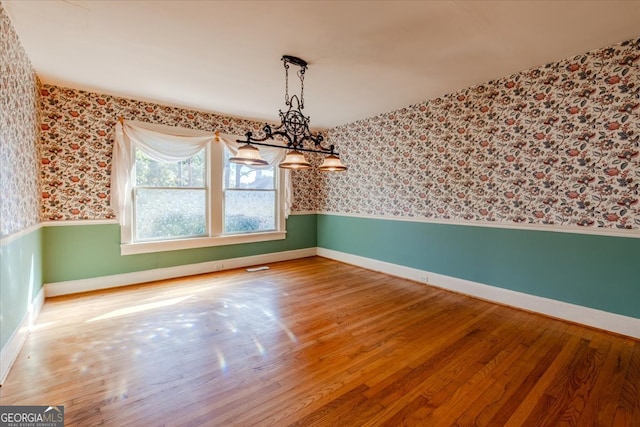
{"x":214,"y":215}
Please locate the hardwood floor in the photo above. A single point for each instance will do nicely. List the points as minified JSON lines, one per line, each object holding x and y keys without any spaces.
{"x":317,"y":342}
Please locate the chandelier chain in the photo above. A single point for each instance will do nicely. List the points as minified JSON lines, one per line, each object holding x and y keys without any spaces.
{"x":301,"y":77}
{"x":286,"y":84}
{"x":287,"y":99}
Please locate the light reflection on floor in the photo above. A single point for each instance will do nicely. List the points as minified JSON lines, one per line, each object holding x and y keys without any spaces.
{"x":140,"y":329}
{"x":139,"y":308}
{"x":39,"y":326}
{"x":221,"y":361}
{"x":259,"y":346}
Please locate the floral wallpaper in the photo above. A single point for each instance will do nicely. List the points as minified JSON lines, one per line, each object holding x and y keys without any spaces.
{"x":77,"y":145}
{"x":19,"y":107}
{"x":556,"y":145}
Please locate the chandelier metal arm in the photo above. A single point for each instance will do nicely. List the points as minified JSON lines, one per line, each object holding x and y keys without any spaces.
{"x":269,"y":134}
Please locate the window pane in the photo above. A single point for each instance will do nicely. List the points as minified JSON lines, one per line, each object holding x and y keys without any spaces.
{"x":247,"y":211}
{"x":169,"y":213}
{"x":242,"y":176}
{"x":187,"y":173}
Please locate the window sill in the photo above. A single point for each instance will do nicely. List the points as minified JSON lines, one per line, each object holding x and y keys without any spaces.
{"x":199,"y":242}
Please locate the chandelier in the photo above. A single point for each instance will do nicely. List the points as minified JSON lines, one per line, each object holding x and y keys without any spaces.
{"x":294,"y":130}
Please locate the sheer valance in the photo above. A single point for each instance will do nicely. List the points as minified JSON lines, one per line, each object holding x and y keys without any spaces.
{"x":168,"y":144}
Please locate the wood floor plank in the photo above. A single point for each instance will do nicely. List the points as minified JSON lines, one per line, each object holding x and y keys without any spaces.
{"x":627,"y":410}
{"x":497,"y":391}
{"x":314,"y":342}
{"x":613,"y":378}
{"x":533,"y":403}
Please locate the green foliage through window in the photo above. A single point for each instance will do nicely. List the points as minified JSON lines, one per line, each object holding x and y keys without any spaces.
{"x":172,"y":200}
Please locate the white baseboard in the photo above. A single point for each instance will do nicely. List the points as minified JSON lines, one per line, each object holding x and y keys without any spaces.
{"x":116,"y":280}
{"x":612,"y":322}
{"x":12,"y":348}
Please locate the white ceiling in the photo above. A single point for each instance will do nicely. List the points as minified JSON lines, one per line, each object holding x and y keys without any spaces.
{"x":365,"y":57}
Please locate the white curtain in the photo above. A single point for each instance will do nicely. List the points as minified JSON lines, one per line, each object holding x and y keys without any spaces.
{"x":167,"y":144}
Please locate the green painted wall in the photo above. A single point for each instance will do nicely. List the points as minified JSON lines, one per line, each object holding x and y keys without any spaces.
{"x":600,"y":272}
{"x":86,"y":251}
{"x":20,"y":280}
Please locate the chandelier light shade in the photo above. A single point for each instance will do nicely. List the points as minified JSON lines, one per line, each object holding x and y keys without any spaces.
{"x":293,"y":129}
{"x":295,"y":160}
{"x":332,"y":163}
{"x":248,"y":155}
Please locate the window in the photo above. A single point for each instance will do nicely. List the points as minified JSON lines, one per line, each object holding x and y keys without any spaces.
{"x":249,"y":198}
{"x":170,"y":198}
{"x":201,"y":200}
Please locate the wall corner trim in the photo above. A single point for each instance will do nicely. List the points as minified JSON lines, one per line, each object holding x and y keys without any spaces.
{"x":607,"y":321}
{"x":72,"y":222}
{"x":11,"y":349}
{"x":124,"y":279}
{"x":303,"y":213}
